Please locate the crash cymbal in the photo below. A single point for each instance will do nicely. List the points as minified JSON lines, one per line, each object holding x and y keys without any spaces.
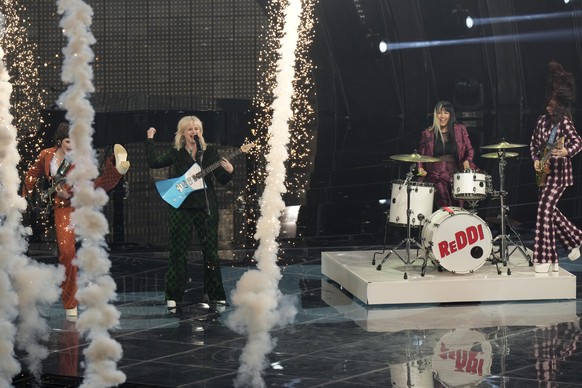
{"x":414,"y":158}
{"x":503,"y":145}
{"x":496,"y":155}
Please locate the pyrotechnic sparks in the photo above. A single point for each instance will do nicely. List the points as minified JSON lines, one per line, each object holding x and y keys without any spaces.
{"x":27,"y":100}
{"x":260,"y":305}
{"x":17,"y":272}
{"x":299,"y":162}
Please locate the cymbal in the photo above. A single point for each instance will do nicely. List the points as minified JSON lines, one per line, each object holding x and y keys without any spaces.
{"x":503,"y":145}
{"x":495,"y":155}
{"x":414,"y":158}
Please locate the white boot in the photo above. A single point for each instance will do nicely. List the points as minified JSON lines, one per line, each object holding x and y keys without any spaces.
{"x":574,"y":253}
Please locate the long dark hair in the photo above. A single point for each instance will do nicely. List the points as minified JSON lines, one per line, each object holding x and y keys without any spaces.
{"x":560,"y":86}
{"x":436,"y":128}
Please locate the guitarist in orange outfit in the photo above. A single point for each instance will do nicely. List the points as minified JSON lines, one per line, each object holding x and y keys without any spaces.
{"x":554,"y":141}
{"x":53,"y":164}
{"x":199,"y":210}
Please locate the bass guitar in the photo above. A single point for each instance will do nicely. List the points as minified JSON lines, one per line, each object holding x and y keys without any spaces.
{"x":175,"y":190}
{"x":542,"y":175}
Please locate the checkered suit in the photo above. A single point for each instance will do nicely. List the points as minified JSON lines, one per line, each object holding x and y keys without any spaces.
{"x":550,"y":222}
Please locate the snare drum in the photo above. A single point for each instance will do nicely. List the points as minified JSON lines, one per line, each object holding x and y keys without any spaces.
{"x":459,"y":241}
{"x":471,"y":185}
{"x":421,"y":202}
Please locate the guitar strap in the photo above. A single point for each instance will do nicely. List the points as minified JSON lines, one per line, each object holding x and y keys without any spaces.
{"x":552,"y":137}
{"x":63,"y":168}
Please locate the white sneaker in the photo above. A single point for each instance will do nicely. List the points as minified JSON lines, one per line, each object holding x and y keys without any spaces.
{"x":574,"y":253}
{"x":171,"y":304}
{"x":219,"y":305}
{"x":542,"y":267}
{"x":71,"y":314}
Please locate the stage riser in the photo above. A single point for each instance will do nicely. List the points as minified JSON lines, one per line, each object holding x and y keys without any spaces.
{"x":518,"y":281}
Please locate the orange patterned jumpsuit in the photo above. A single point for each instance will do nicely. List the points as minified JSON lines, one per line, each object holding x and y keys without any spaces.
{"x":65,"y":234}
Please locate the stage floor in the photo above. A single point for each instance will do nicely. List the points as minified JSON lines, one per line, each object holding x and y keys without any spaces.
{"x":398,"y":283}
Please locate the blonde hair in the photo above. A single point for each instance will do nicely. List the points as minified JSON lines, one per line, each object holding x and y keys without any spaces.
{"x":179,"y":141}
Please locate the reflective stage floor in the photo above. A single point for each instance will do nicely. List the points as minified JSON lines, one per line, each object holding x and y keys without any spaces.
{"x":336,"y":339}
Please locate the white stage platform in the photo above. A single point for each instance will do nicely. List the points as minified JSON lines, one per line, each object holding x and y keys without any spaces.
{"x":354,"y":271}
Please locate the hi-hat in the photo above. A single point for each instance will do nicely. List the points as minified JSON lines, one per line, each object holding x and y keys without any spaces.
{"x":414,"y":158}
{"x":497,"y":155}
{"x":503,"y":145}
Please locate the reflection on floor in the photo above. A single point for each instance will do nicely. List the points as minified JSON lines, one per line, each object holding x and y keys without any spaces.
{"x":336,"y":340}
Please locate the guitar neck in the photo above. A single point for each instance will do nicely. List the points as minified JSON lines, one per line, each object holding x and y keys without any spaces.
{"x":207,"y":170}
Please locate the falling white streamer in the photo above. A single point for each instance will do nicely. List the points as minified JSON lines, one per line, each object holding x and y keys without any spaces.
{"x":24,"y":285}
{"x":96,"y":287}
{"x":260,"y":306}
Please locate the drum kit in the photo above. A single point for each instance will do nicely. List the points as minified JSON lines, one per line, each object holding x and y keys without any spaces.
{"x":453,"y":238}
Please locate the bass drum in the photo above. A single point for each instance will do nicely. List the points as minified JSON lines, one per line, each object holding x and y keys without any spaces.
{"x":462,"y":358}
{"x":459,"y":241}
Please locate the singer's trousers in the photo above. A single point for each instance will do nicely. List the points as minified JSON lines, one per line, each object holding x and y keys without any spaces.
{"x":181,"y":223}
{"x":550,"y":222}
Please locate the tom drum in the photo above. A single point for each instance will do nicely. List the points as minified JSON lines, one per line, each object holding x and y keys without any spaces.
{"x":471,"y":185}
{"x":421,"y":202}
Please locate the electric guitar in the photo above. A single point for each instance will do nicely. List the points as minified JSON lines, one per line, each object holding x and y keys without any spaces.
{"x":542,"y":175}
{"x":175,"y":190}
{"x":41,"y":197}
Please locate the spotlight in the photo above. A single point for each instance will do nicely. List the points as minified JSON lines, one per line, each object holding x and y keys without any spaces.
{"x":462,"y":18}
{"x":467,"y":93}
{"x":375,"y":44}
{"x":466,"y":85}
{"x":383,"y":46}
{"x":566,"y":1}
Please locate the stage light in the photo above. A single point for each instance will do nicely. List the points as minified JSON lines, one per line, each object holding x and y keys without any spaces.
{"x":467,"y":93}
{"x":566,"y":1}
{"x":466,"y":85}
{"x":462,"y":18}
{"x":383,"y":46}
{"x":373,"y":45}
{"x":377,"y":43}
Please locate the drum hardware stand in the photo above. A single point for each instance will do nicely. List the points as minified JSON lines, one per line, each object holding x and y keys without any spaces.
{"x":504,"y":237}
{"x":473,"y":203}
{"x":408,"y":241}
{"x":387,"y":214}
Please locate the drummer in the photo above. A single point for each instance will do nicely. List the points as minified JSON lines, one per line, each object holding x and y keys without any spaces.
{"x":448,"y":141}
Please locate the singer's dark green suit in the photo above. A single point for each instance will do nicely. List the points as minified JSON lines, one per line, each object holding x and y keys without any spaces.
{"x":194,"y":211}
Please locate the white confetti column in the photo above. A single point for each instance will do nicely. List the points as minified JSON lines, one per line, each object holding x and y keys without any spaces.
{"x":96,"y":287}
{"x":260,"y":306}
